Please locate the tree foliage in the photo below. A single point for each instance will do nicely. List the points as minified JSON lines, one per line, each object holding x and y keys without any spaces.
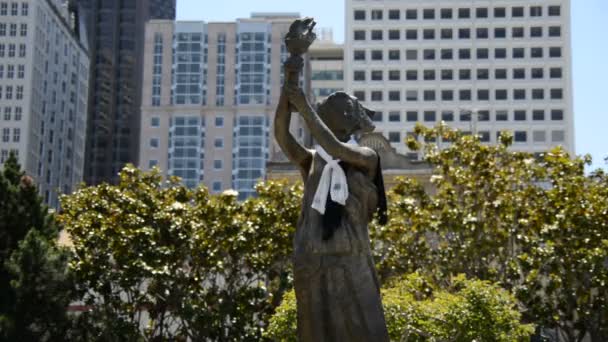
{"x":416,"y":309}
{"x":35,"y":288}
{"x":198,"y":266}
{"x":537,"y":226}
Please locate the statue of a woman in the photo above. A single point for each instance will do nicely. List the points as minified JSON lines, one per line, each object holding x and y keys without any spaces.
{"x":337,"y":291}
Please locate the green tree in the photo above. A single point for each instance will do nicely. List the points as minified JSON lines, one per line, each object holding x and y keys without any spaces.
{"x":416,"y":309}
{"x":539,"y":227}
{"x":35,"y":289}
{"x":200,"y":266}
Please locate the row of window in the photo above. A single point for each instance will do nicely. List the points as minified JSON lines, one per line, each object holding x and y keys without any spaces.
{"x":557,"y":136}
{"x":460,"y":54}
{"x":8,"y":94}
{"x":501,"y":115}
{"x":180,"y":121}
{"x":460,"y":33}
{"x":11,"y":72}
{"x":15,"y":10}
{"x":461,"y":95}
{"x":12,"y":30}
{"x":9,"y":50}
{"x":457,"y":13}
{"x":6,"y":135}
{"x":461,"y":74}
{"x":12,"y":114}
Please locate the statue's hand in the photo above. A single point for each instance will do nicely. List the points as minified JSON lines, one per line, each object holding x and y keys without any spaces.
{"x":296,"y":96}
{"x":300,"y":36}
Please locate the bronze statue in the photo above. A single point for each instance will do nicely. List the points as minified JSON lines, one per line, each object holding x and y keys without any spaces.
{"x":337,"y":290}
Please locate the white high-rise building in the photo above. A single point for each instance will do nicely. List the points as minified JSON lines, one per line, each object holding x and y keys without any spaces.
{"x":483,"y":66}
{"x":44,"y":71}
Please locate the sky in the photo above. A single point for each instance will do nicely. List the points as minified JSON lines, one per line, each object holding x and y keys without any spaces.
{"x":589,"y":45}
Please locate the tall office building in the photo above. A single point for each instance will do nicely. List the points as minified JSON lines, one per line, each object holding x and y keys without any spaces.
{"x":116,"y":38}
{"x":210,"y":92}
{"x":43,"y":94}
{"x":483,"y":66}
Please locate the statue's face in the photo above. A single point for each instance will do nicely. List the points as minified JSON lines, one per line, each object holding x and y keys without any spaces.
{"x":349,"y":117}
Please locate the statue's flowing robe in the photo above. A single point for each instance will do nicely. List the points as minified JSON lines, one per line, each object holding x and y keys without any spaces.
{"x":337,"y":290}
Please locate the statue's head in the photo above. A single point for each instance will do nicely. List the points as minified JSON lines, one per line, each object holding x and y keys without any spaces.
{"x":344,"y":115}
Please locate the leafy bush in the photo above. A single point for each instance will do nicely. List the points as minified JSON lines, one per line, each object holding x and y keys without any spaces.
{"x":418,"y":310}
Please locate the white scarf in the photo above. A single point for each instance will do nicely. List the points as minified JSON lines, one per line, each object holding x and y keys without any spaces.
{"x":332,"y":175}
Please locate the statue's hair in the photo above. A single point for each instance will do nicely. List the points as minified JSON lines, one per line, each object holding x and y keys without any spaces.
{"x":334,"y":103}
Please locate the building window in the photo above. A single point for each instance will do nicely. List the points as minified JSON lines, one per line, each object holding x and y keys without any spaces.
{"x":411,"y":55}
{"x":428,"y":34}
{"x":154,"y":143}
{"x":152,"y":163}
{"x":219,"y":121}
{"x":429,"y":95}
{"x":447,"y":95}
{"x":18,"y":113}
{"x":359,"y":34}
{"x":394,"y":95}
{"x":519,"y":52}
{"x":376,"y":95}
{"x":536,"y":52}
{"x":447,"y":74}
{"x":502,"y":115}
{"x":555,"y":72}
{"x":430,"y":116}
{"x":394,"y":137}
{"x":465,"y":95}
{"x":411,"y":14}
{"x":447,"y":116}
{"x":446,"y":33}
{"x":519,"y":73}
{"x":394,"y":34}
{"x":394,"y":55}
{"x":359,"y":55}
{"x":536,"y":31}
{"x":23,"y":30}
{"x":217,"y":186}
{"x":429,"y":54}
{"x":377,"y":75}
{"x":446,"y":54}
{"x":411,"y":34}
{"x":537,"y":73}
{"x":464,"y":13}
{"x":6,"y":134}
{"x":464,"y":74}
{"x":429,"y":75}
{"x":538,"y":115}
{"x":464,"y":33}
{"x":519,"y":94}
{"x":483,"y":74}
{"x":411,"y":95}
{"x":359,"y":15}
{"x":376,"y":14}
{"x":481,"y":12}
{"x":555,"y":52}
{"x":521,"y":136}
{"x":360,"y":95}
{"x":16,"y":135}
{"x":428,"y":13}
{"x":377,"y":117}
{"x":554,"y":11}
{"x":217,"y":164}
{"x":538,"y":94}
{"x":539,"y":136}
{"x":500,"y":53}
{"x":555,"y":31}
{"x":24,"y":9}
{"x":359,"y":75}
{"x":500,"y":12}
{"x":500,"y":32}
{"x":557,"y":115}
{"x":218,"y":143}
{"x":411,"y":75}
{"x":155,"y":121}
{"x":557,"y":94}
{"x":394,"y":117}
{"x":446,"y":13}
{"x":377,"y":55}
{"x":394,"y":14}
{"x":517,"y":12}
{"x":517,"y":32}
{"x":519,"y":115}
{"x":394,"y":75}
{"x":411,"y":116}
{"x":7,"y":113}
{"x":501,"y":94}
{"x":482,"y":33}
{"x":483,"y":95}
{"x":376,"y":34}
{"x":500,"y":74}
{"x":536,"y":11}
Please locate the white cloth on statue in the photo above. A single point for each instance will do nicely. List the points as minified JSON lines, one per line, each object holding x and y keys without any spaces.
{"x":333,"y":180}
